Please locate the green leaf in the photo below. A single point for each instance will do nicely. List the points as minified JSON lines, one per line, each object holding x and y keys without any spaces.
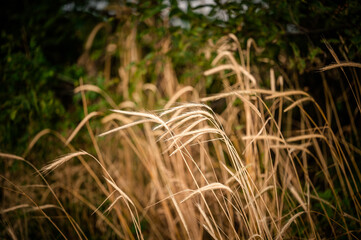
{"x":13,"y":114}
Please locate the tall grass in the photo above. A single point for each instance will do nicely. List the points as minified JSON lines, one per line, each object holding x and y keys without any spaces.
{"x":267,"y":165}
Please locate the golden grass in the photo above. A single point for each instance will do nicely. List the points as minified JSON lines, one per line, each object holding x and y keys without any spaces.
{"x":257,"y":170}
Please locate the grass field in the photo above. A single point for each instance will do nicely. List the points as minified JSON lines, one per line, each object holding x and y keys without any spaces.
{"x":172,"y":161}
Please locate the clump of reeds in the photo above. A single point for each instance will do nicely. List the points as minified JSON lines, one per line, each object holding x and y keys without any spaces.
{"x":261,"y":168}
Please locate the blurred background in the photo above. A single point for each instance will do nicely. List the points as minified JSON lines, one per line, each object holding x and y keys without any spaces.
{"x":44,"y":52}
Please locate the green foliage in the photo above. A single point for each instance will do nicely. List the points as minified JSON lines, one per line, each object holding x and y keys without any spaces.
{"x":39,"y":46}
{"x":28,"y":103}
{"x":292,"y":33}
